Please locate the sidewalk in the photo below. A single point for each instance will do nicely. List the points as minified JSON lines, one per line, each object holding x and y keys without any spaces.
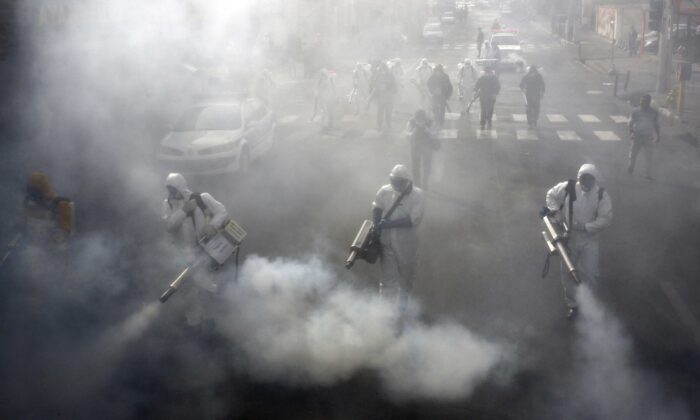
{"x":598,"y":55}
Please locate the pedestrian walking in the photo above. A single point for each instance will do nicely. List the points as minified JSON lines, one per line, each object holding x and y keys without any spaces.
{"x":586,"y":208}
{"x":440,"y":88}
{"x":423,"y":73}
{"x":644,"y":132}
{"x":420,"y":131}
{"x":532,"y":85}
{"x":487,"y":88}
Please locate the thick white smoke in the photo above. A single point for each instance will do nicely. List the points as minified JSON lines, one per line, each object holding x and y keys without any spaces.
{"x":296,"y":325}
{"x":608,"y":384}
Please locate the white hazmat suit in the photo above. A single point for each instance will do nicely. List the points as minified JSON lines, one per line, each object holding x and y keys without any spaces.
{"x":400,"y":243}
{"x":592,"y":212}
{"x":189,"y":220}
{"x":189,"y":228}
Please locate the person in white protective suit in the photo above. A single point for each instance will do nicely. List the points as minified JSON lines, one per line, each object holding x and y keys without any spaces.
{"x":591,"y":211}
{"x":326,"y":98}
{"x":399,"y":237}
{"x":423,"y":73}
{"x":189,"y":217}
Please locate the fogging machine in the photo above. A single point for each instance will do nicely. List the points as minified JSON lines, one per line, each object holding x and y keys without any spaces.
{"x":556,"y":235}
{"x":367,"y":245}
{"x":217,"y":248}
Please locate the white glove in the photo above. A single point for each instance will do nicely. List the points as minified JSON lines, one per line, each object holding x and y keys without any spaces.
{"x":189,"y":206}
{"x":210,"y":230}
{"x":579,"y":227}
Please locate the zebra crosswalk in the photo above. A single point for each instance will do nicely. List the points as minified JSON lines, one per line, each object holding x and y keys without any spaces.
{"x":566,"y":128}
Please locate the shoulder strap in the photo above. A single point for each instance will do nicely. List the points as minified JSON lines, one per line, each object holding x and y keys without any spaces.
{"x":198,"y":198}
{"x":398,"y":201}
{"x":601,"y":190}
{"x":571,"y":193}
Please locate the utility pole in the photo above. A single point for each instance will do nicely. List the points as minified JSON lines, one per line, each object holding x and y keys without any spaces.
{"x":665,"y":48}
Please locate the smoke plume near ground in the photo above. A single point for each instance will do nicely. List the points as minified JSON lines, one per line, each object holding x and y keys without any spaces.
{"x":296,"y":325}
{"x":607,"y":382}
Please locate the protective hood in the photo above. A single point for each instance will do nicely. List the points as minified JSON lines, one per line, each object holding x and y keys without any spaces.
{"x":40,"y":182}
{"x":178,"y":182}
{"x":589,"y":169}
{"x":401,"y":172}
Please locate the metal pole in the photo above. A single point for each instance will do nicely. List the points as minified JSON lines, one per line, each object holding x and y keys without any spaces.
{"x":665,"y":53}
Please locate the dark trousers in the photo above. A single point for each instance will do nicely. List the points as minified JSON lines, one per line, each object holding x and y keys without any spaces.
{"x":422,"y":162}
{"x":439,"y":107}
{"x":533,"y":112}
{"x":487,"y":105}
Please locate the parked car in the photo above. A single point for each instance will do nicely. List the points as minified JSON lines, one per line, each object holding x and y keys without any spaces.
{"x":222,"y":136}
{"x":432,"y":32}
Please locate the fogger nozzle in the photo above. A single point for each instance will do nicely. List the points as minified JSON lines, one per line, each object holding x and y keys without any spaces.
{"x":174,"y":285}
{"x":168,"y":292}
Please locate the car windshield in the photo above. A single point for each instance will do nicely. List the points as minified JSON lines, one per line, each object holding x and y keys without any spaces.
{"x":505,"y":40}
{"x":213,"y":117}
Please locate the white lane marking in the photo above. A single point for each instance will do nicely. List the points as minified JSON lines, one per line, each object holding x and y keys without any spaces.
{"x":594,"y":92}
{"x":589,"y":118}
{"x":447,"y":134}
{"x":459,"y":47}
{"x":682,"y":310}
{"x":525,"y":135}
{"x":452,"y":115}
{"x":606,"y":135}
{"x":288,"y":119}
{"x":519,"y":117}
{"x":566,"y":135}
{"x":494,"y":117}
{"x":445,"y":46}
{"x":607,"y":83}
{"x":556,"y":118}
{"x":486,"y":134}
{"x":620,"y":119}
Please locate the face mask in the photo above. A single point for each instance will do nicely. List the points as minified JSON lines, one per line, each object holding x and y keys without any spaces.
{"x":587,"y":182}
{"x":399,"y":184}
{"x":174,"y":194}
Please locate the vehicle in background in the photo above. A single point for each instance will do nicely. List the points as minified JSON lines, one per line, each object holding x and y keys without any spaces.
{"x":507,"y":41}
{"x":432,"y":33}
{"x":448,"y":17}
{"x":217,"y":137}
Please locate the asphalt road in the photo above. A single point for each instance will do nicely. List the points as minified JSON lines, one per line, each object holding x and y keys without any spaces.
{"x":481,"y":252}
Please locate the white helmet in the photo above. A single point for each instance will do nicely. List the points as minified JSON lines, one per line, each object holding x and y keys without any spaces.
{"x":178,"y":182}
{"x":400,"y":172}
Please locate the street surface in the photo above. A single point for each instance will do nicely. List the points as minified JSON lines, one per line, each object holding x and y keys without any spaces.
{"x":481,"y":252}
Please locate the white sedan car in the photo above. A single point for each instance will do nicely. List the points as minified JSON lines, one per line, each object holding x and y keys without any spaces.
{"x":218,"y":137}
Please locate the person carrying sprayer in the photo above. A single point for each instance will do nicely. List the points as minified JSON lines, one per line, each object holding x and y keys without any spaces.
{"x":190,"y":218}
{"x":586,"y":208}
{"x":398,"y":232}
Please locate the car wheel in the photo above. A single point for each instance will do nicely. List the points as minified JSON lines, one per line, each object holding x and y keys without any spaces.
{"x":244,"y":163}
